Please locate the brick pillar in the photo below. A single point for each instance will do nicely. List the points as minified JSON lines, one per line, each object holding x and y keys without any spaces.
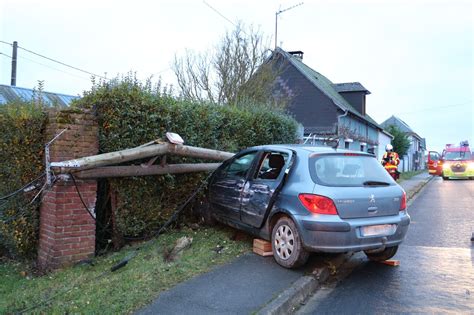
{"x":67,"y":231}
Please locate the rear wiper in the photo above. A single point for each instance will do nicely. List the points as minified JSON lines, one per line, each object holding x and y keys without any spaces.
{"x":375,"y":183}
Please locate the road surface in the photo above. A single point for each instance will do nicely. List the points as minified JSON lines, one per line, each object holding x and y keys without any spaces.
{"x":436,"y":274}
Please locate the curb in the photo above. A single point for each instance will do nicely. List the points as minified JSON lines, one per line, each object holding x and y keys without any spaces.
{"x":287,"y":301}
{"x":411,"y":194}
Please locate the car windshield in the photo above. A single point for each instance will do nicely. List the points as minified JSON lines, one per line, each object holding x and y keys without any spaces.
{"x":457,"y":155}
{"x":348,"y":170}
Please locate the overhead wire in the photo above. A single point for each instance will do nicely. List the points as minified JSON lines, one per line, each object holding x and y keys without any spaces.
{"x":53,"y":68}
{"x":220,"y":14}
{"x":3,"y":54}
{"x":435,"y":108}
{"x":56,"y":61}
{"x":62,"y":63}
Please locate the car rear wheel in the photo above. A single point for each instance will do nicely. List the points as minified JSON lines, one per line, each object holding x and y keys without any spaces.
{"x":386,"y":254}
{"x":286,"y":244}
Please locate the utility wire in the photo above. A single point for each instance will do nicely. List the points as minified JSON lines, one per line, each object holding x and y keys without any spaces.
{"x":222,"y":15}
{"x":8,"y":56}
{"x":22,"y":189}
{"x":44,"y":65}
{"x":435,"y":108}
{"x":62,"y":63}
{"x":56,"y":61}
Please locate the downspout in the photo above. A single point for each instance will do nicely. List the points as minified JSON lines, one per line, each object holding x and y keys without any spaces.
{"x":338,"y":122}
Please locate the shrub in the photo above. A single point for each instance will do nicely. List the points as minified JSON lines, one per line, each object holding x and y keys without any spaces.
{"x":21,"y":161}
{"x":130,"y":113}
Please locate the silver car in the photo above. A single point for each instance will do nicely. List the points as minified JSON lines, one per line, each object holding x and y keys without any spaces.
{"x":309,"y":199}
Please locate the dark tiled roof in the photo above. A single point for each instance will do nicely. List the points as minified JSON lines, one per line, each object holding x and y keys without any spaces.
{"x":403,"y":126}
{"x":325,"y":86}
{"x":350,"y":87}
{"x":13,"y":93}
{"x":395,"y":121}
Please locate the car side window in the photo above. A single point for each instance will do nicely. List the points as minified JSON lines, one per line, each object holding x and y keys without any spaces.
{"x":240,"y":166}
{"x":271,"y":165}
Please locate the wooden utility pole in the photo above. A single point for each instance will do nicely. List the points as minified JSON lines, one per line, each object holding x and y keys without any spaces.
{"x":141,"y":153}
{"x":137,"y":170}
{"x":14,"y":61}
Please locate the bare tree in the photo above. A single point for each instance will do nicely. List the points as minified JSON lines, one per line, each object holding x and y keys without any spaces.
{"x":221,"y":75}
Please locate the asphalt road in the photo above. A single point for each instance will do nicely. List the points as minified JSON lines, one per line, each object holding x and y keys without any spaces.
{"x":436,"y":272}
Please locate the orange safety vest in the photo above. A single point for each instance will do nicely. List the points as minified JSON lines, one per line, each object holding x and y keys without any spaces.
{"x":395,"y":160}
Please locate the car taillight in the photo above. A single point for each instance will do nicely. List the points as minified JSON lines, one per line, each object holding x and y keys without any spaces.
{"x":318,"y":204}
{"x":403,"y":202}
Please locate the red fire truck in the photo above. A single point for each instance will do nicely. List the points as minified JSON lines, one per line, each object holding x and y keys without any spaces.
{"x":454,"y":162}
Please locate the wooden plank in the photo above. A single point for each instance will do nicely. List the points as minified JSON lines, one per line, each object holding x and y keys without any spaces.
{"x":262,"y":244}
{"x":262,"y":252}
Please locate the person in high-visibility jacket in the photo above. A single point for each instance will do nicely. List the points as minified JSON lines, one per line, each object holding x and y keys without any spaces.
{"x":390,"y":158}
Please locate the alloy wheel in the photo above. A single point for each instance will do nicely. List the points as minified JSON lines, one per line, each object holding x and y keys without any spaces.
{"x":284,"y":242}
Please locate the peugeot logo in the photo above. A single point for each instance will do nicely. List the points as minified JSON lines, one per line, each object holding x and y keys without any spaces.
{"x":372,"y":198}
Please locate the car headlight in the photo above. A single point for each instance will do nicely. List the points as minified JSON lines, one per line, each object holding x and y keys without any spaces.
{"x":446,"y":166}
{"x":470,"y":165}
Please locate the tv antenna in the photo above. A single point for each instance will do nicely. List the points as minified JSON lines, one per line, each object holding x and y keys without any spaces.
{"x":276,"y":19}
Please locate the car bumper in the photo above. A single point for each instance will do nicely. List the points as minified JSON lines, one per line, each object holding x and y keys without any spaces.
{"x":465,"y":174}
{"x":324,"y":234}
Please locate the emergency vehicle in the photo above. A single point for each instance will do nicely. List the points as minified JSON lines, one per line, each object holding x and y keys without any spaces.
{"x":454,"y":162}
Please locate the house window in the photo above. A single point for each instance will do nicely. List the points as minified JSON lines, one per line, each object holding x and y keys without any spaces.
{"x":347,"y":143}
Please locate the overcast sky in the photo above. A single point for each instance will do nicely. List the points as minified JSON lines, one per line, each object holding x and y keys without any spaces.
{"x":414,"y":56}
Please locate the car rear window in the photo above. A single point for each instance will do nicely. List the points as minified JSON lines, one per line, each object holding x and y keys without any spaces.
{"x":347,"y":170}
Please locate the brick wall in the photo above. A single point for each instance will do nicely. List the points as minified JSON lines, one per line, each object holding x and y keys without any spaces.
{"x":67,"y":230}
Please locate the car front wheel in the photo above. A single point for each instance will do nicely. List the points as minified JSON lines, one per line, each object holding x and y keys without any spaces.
{"x":386,"y":254}
{"x":286,"y":244}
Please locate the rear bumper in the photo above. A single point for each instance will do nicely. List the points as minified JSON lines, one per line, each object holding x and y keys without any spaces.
{"x":328,"y":234}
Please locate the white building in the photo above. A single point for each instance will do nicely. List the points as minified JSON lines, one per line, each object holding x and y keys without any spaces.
{"x":415,"y":158}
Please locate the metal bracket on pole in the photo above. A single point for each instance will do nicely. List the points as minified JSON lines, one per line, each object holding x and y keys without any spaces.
{"x":49,"y":177}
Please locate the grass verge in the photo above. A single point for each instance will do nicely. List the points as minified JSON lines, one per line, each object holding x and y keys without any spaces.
{"x":91,"y":289}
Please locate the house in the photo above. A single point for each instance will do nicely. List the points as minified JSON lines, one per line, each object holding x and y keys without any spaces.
{"x":415,"y":158}
{"x":13,"y":93}
{"x":324,"y":109}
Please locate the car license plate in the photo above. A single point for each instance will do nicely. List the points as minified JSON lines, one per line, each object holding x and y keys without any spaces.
{"x":378,"y":230}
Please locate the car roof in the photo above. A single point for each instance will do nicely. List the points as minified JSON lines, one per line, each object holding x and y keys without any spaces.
{"x":305,"y":148}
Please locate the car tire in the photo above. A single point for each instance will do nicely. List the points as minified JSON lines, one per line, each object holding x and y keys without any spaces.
{"x":287,"y":247}
{"x":386,"y":254}
{"x":445,"y":177}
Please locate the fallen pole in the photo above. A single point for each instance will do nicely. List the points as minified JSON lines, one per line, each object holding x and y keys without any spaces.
{"x":141,"y":153}
{"x":137,"y":170}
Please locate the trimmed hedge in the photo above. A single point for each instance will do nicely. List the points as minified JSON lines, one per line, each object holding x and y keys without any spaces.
{"x":21,"y":160}
{"x":131,"y":114}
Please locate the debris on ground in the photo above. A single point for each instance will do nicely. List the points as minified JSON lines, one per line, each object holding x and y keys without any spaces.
{"x":391,"y":262}
{"x":171,"y":254}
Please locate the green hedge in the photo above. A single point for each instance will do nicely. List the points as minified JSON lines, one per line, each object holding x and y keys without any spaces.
{"x":131,"y":114}
{"x":21,"y":161}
